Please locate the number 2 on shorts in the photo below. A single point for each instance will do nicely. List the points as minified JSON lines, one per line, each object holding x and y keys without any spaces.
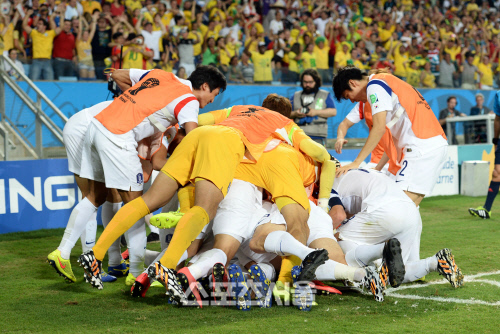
{"x":405,"y":164}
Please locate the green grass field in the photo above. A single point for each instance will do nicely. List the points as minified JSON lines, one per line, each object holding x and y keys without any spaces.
{"x":34,"y":299}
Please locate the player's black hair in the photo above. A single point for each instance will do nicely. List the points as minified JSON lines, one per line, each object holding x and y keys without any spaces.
{"x":210,"y":75}
{"x":341,"y":80}
{"x":314,"y":74}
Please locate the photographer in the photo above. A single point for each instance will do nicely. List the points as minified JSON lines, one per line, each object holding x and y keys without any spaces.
{"x":312,"y":106}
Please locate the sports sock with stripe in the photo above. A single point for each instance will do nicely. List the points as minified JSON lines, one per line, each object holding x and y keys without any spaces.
{"x":206,"y":262}
{"x":283,"y":244}
{"x":287,"y":263}
{"x":82,"y":213}
{"x":109,"y":209}
{"x":124,"y":219}
{"x":363,"y":255}
{"x":89,"y":234}
{"x":186,"y":231}
{"x":492,"y":193}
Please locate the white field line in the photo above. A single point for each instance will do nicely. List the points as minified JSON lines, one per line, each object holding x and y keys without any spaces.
{"x":391,"y":292}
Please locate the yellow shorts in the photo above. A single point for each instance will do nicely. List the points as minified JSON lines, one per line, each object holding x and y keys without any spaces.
{"x":279,"y":172}
{"x":208,"y":152}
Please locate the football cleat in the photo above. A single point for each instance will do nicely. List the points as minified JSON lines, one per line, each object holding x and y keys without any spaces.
{"x":153,"y":237}
{"x":92,"y":268}
{"x":62,"y":266}
{"x":262,"y":284}
{"x":140,"y":286}
{"x":105,"y":277}
{"x":310,"y":263}
{"x":120,"y":270}
{"x":166,"y":220}
{"x":167,"y":277}
{"x":448,"y":268}
{"x":323,"y":289}
{"x":374,"y":282}
{"x":302,"y":296}
{"x":190,"y":287}
{"x":239,"y":288}
{"x":220,"y":281}
{"x":130,"y":280}
{"x":393,"y":262}
{"x":480,"y":212}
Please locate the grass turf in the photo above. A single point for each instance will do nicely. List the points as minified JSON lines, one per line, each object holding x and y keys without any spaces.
{"x":34,"y":299}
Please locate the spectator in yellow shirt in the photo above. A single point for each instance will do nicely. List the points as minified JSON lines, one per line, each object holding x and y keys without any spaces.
{"x":322,"y":50}
{"x":90,"y":5}
{"x":309,"y":57}
{"x":86,"y":67}
{"x":42,"y":38}
{"x":261,"y":60}
{"x":295,"y":63}
{"x":486,"y":73}
{"x":412,"y":73}
{"x":342,"y":56}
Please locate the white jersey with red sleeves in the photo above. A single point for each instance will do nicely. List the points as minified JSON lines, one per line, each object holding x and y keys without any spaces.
{"x":382,"y":98}
{"x":182,"y":109}
{"x":366,"y":190}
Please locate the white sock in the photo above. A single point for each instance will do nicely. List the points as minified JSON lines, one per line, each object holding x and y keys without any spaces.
{"x":283,"y":244}
{"x":89,"y":233}
{"x":136,"y":242}
{"x":154,"y":229}
{"x":206,"y":262}
{"x":268,"y":269}
{"x":150,"y":257}
{"x":418,"y":269}
{"x":160,"y":255}
{"x":77,"y":222}
{"x":363,"y":255}
{"x":109,"y":210}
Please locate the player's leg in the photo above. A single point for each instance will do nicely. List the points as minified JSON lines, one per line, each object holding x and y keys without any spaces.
{"x":485,"y":210}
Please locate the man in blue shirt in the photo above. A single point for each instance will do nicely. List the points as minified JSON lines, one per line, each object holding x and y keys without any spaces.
{"x":485,"y":211}
{"x":312,"y":106}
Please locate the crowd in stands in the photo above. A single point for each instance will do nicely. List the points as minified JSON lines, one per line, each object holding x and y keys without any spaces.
{"x":428,"y":43}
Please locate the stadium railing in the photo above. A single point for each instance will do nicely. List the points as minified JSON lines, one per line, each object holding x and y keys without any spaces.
{"x":29,"y":118}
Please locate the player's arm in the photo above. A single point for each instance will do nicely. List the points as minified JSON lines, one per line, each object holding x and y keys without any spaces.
{"x":122,"y":78}
{"x":159,"y":158}
{"x":318,"y":153}
{"x":382,"y":162}
{"x":189,"y":126}
{"x":376,"y":133}
{"x":213,"y":117}
{"x":353,"y":117}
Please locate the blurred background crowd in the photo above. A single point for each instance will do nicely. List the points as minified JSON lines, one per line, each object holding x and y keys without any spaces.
{"x":428,"y":43}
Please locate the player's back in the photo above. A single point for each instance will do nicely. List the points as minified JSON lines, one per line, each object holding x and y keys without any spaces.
{"x":373,"y":188}
{"x":255,"y":125}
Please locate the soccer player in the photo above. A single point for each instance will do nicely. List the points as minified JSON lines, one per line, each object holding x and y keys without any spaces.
{"x":139,"y":115}
{"x":280,"y":170}
{"x":74,"y":135}
{"x":419,"y":140}
{"x":247,"y":132}
{"x":485,"y":211}
{"x":385,"y":224}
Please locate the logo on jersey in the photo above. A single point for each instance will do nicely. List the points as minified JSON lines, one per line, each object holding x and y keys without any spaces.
{"x":140,"y":178}
{"x":373,"y":98}
{"x":150,"y":83}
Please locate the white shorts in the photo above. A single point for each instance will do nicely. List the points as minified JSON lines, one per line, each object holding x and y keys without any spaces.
{"x":399,"y":220}
{"x":237,"y":211}
{"x":104,"y":161}
{"x":420,"y":172}
{"x":74,"y":134}
{"x":319,"y":222}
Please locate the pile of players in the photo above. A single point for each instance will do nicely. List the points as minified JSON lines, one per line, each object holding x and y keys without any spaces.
{"x":257,"y":197}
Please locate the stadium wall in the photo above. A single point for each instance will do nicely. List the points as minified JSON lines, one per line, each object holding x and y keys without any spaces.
{"x":71,"y":97}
